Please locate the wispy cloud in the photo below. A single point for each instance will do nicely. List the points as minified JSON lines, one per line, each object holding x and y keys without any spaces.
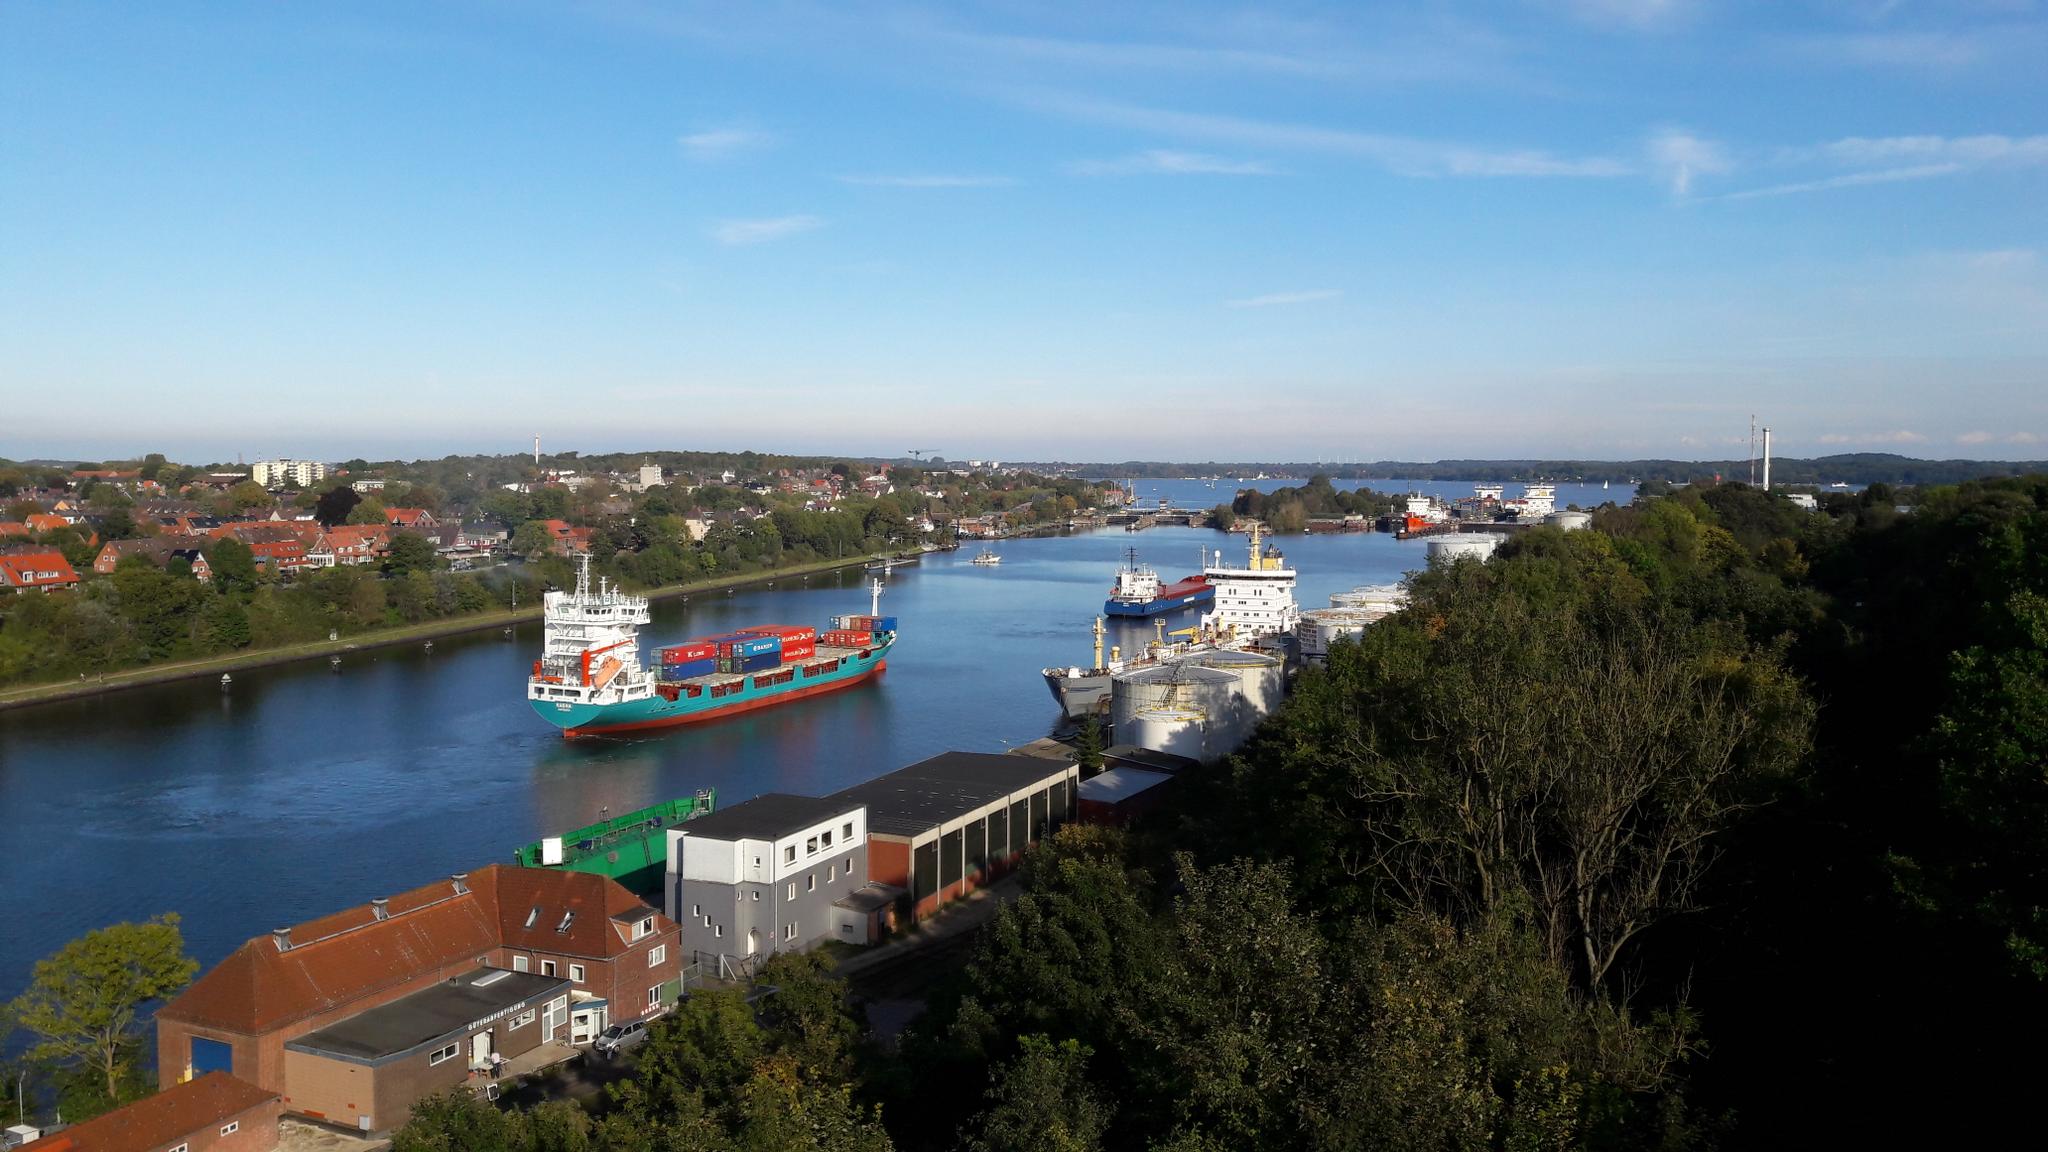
{"x":718,"y":143}
{"x":1982,"y":437}
{"x":1402,"y":155}
{"x":1129,"y":55}
{"x":1641,"y":15}
{"x":1165,"y":162}
{"x":1278,"y":299}
{"x":1986,"y":148}
{"x":1848,"y":180}
{"x":1924,"y":51}
{"x":1679,"y":156}
{"x":1900,"y":436}
{"x":933,"y":181}
{"x":760,"y":231}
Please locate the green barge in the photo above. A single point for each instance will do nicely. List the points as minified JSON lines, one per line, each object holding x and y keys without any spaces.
{"x":632,"y":849}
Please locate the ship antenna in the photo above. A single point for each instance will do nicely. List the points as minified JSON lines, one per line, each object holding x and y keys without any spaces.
{"x":582,"y":575}
{"x":875,"y":601}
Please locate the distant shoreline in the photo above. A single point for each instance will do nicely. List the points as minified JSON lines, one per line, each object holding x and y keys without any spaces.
{"x":30,"y":695}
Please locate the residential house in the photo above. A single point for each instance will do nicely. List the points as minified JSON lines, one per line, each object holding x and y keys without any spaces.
{"x":409,"y":518}
{"x":352,"y":1017}
{"x":158,"y":550}
{"x":22,"y":569}
{"x":349,"y":544}
{"x":13,"y":528}
{"x":41,"y":522}
{"x":213,"y":1113}
{"x":481,"y":536}
{"x":567,"y":539}
{"x":279,"y":547}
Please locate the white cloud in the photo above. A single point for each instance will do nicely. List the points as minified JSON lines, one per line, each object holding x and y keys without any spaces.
{"x":1976,"y":438}
{"x":1987,"y":148}
{"x":1166,"y":162}
{"x":1900,"y":436}
{"x":1848,"y":180}
{"x":1277,"y":299}
{"x":927,"y":181}
{"x":1401,"y":155}
{"x":718,"y":143}
{"x":1679,"y":156}
{"x":1638,"y":14}
{"x":1931,"y":51}
{"x":2023,"y":438}
{"x":760,"y":231}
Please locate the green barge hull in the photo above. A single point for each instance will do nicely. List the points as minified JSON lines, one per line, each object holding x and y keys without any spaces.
{"x":632,"y":849}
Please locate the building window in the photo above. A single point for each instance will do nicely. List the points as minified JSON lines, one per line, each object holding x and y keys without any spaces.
{"x":644,"y":928}
{"x":576,"y":973}
{"x":789,"y":931}
{"x":547,"y":967}
{"x":656,"y":955}
{"x":444,"y":1055}
{"x":718,"y":931}
{"x":521,"y":1020}
{"x":846,"y":830}
{"x":792,"y":890}
{"x":789,"y":854}
{"x":231,"y":1127}
{"x":757,"y":896}
{"x":826,"y":838}
{"x":521,"y":964}
{"x":831,"y":873}
{"x":696,"y":909}
{"x":181,"y":1148}
{"x":654,"y":997}
{"x":811,"y":882}
{"x":811,"y":846}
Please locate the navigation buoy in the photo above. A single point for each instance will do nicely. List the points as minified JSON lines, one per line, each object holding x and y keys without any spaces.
{"x":226,"y":681}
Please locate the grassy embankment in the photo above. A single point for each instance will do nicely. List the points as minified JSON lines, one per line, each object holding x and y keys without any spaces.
{"x":27,"y":694}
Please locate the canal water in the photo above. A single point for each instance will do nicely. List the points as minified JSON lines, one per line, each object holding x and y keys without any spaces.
{"x":308,"y":789}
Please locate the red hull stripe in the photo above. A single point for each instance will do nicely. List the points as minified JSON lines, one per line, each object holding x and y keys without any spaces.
{"x":731,"y":709}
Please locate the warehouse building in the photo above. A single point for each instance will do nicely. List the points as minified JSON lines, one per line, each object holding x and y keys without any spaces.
{"x":1120,"y":795}
{"x":763,"y":877}
{"x":943,"y":827}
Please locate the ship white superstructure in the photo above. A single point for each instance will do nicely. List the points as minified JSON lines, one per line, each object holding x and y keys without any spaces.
{"x":1254,"y":600}
{"x":590,"y":646}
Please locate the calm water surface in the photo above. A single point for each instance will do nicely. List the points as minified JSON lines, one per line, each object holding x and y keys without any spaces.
{"x":306,"y":790}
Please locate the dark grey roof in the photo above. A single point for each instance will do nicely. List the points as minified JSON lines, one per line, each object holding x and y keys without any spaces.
{"x":766,"y":817}
{"x":1138,"y":757}
{"x":1120,"y":784}
{"x":930,"y":792}
{"x":431,"y":1016}
{"x":869,"y":898}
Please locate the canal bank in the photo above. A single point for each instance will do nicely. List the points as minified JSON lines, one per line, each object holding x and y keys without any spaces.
{"x":214,"y":666}
{"x":309,"y":788}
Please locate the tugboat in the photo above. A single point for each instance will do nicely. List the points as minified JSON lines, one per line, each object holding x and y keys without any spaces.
{"x":987,"y":557}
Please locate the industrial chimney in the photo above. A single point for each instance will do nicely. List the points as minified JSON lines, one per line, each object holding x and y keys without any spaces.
{"x":1767,"y":459}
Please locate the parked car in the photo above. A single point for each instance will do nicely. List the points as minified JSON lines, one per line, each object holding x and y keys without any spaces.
{"x":618,"y":1038}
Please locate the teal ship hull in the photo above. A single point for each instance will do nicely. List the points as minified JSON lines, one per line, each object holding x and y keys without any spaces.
{"x":719,"y":696}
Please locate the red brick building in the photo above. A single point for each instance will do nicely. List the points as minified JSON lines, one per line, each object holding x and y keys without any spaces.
{"x":620,"y":960}
{"x":23,"y":569}
{"x":215,"y":1113}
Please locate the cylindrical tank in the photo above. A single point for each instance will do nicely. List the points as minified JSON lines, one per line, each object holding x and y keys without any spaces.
{"x":1450,"y":549}
{"x":1210,"y":691}
{"x":1377,"y":599}
{"x":1261,"y":682}
{"x":1568,"y":520}
{"x":1177,"y":731}
{"x":1320,"y":627}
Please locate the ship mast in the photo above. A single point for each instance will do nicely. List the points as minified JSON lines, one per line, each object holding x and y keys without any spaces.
{"x":875,"y":598}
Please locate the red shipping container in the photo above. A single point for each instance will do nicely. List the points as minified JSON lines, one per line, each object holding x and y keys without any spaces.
{"x":689,"y":653}
{"x":794,"y":652}
{"x":842,"y":639}
{"x":788,"y":632}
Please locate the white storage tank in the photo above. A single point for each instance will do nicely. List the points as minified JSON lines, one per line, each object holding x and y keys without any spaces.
{"x":1450,"y":549}
{"x":1376,"y":599}
{"x":1210,"y":691}
{"x":1321,"y":627}
{"x":1261,"y":684}
{"x":1569,"y":521}
{"x":1177,"y":731}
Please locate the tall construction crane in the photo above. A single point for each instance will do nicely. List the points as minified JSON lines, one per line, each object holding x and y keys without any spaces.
{"x":921,"y":453}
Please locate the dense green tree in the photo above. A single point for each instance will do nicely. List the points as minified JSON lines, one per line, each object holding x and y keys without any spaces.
{"x":232,"y":566}
{"x":334,"y":505}
{"x":1042,"y":1101}
{"x":370,"y":511}
{"x":409,"y":552}
{"x":83,"y":1002}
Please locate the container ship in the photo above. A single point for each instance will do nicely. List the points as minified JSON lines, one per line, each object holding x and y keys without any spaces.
{"x":590,"y":678}
{"x":632,"y":849}
{"x":1138,"y":592}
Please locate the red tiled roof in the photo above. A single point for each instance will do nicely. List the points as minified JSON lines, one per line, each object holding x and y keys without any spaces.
{"x":26,"y":569}
{"x":13,"y":528}
{"x":351,"y":954}
{"x":170,"y":1116}
{"x":46,"y":521}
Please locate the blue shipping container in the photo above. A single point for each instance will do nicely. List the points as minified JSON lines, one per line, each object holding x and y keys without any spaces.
{"x":762,"y":663}
{"x":757,"y":646}
{"x":884,"y":623}
{"x":686,"y":671}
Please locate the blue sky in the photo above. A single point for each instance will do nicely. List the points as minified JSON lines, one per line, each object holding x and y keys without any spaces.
{"x":1602,"y":228}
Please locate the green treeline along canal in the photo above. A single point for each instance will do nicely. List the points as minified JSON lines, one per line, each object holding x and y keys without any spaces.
{"x":307,"y":789}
